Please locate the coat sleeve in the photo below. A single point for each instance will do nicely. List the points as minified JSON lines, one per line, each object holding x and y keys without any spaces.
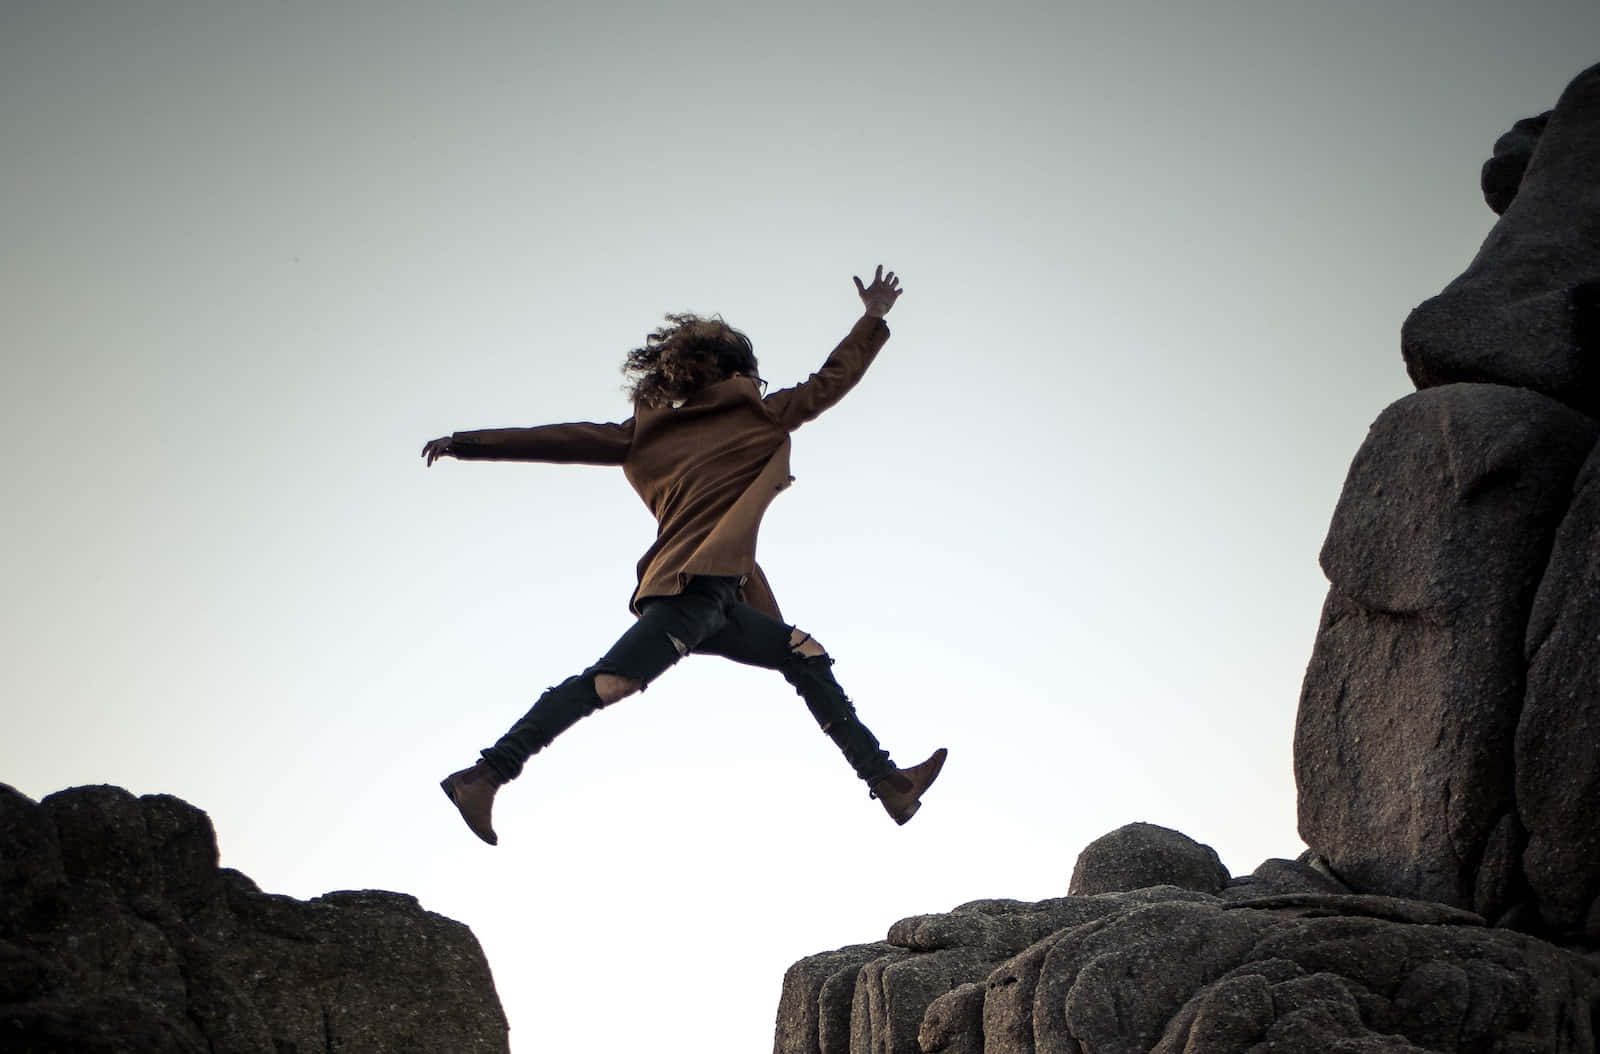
{"x":793,"y":407}
{"x":580,"y":443}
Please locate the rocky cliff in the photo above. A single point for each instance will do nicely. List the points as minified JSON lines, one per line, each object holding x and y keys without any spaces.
{"x":1445,"y":744}
{"x":119,"y":932}
{"x":1445,"y":747}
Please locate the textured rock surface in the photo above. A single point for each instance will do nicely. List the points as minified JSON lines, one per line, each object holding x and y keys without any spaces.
{"x":1501,"y":176}
{"x":1141,"y":854}
{"x":1526,"y":312}
{"x":1557,"y":761}
{"x":813,"y":1011}
{"x":1180,"y":972}
{"x":1410,"y":705}
{"x":1445,"y":740}
{"x":118,"y":932}
{"x":1308,"y":874}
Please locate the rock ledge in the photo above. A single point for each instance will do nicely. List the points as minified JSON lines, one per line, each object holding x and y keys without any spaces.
{"x":119,"y":932}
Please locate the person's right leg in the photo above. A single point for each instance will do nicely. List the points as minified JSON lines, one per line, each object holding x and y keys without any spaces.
{"x":666,"y":631}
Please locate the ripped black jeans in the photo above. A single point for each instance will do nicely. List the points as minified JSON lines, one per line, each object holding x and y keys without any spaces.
{"x":706,"y":618}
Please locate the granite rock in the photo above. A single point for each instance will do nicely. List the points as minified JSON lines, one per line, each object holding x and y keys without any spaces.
{"x":1403,"y":740}
{"x":1557,"y":764}
{"x":1138,"y":855}
{"x":1526,"y":312}
{"x":1501,"y":176}
{"x":119,"y":932}
{"x":1173,"y":971}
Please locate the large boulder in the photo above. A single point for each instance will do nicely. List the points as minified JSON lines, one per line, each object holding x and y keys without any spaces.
{"x":1557,"y":763}
{"x":1142,"y":854}
{"x":1403,"y":741}
{"x":118,"y":932}
{"x":1526,"y":312}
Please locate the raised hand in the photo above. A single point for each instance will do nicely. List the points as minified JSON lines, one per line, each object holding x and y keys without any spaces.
{"x":880,"y":296}
{"x":434,"y":449}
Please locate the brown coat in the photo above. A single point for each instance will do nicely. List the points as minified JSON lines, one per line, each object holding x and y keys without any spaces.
{"x":707,"y":469}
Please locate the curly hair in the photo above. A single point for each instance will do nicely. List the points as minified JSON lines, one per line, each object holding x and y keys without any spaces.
{"x":685,"y":355}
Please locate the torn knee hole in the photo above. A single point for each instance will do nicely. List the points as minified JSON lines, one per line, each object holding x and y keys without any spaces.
{"x":610,"y":687}
{"x":804,"y":644}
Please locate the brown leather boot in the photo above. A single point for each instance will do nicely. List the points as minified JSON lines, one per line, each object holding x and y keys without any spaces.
{"x":901,"y":791}
{"x":472,"y":791}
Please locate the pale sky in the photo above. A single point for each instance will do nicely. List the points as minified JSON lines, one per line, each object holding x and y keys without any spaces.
{"x":1156,"y":258}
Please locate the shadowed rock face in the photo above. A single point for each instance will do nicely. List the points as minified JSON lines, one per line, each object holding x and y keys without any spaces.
{"x":1502,"y":174}
{"x":1403,"y":742}
{"x":1445,"y":742}
{"x":1523,"y":312}
{"x":1557,"y":754}
{"x":118,"y":932}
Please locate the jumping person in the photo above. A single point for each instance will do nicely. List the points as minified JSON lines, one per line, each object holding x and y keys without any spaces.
{"x":707,"y":452}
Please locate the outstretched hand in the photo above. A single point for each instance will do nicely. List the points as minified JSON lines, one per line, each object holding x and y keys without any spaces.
{"x":880,"y":296}
{"x":434,"y":449}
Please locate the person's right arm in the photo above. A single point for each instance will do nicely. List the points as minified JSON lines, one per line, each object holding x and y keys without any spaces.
{"x":581,"y":442}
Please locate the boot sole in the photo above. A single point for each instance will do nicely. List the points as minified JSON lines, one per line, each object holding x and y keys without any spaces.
{"x":905,"y":818}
